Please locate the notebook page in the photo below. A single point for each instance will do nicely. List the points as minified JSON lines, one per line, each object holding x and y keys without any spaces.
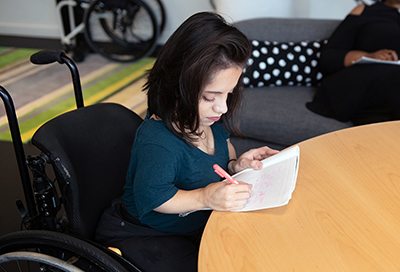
{"x":274,"y":184}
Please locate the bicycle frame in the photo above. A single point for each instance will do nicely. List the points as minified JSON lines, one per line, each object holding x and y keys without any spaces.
{"x":110,"y":28}
{"x":67,"y":39}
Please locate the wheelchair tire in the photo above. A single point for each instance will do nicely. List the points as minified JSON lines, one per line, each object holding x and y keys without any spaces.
{"x":41,"y":260}
{"x":57,"y":247}
{"x":124,"y":30}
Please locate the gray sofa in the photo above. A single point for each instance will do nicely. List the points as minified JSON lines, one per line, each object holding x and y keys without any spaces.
{"x":277,"y":116}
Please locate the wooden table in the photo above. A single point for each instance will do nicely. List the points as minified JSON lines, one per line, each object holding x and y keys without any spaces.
{"x":344,"y":214}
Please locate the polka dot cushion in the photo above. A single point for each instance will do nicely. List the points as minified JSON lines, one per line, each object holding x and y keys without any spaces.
{"x":280,"y":64}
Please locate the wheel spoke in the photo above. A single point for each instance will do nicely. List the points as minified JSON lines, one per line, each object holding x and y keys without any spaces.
{"x":122,"y":34}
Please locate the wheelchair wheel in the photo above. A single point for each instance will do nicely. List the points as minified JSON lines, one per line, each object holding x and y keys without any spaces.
{"x":121,"y":30}
{"x":22,"y":258}
{"x":55,"y":250}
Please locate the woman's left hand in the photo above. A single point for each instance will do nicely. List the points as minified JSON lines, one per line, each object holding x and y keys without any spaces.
{"x":252,"y":158}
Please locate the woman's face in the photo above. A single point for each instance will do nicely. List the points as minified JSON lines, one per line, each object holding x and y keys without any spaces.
{"x":213,"y":99}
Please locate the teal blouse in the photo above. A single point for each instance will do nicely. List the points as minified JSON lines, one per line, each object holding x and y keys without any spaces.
{"x":160,"y":165}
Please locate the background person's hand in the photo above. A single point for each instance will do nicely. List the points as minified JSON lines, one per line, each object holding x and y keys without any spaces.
{"x":384,"y":54}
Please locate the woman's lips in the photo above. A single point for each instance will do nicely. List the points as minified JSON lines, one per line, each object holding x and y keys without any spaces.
{"x":214,"y":119}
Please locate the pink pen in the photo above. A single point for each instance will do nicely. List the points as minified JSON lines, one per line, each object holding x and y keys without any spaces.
{"x":223,"y":174}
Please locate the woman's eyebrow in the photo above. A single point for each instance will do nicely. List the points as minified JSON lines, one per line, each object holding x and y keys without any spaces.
{"x":217,"y":92}
{"x":212,"y":92}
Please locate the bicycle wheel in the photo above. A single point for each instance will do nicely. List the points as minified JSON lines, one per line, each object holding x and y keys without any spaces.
{"x":121,"y":30}
{"x":159,"y":11}
{"x":72,"y":251}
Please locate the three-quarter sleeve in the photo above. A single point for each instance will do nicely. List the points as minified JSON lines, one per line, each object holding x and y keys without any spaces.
{"x":339,"y":44}
{"x":154,"y":178}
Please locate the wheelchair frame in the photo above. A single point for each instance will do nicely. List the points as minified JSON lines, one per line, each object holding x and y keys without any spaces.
{"x":44,"y":237}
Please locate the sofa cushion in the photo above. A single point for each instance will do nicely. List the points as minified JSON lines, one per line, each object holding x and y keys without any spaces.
{"x":281,"y":64}
{"x":279,"y":115}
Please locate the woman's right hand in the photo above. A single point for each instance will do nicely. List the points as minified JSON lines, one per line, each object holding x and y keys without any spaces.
{"x":220,"y":196}
{"x":383,"y":54}
{"x":224,"y":196}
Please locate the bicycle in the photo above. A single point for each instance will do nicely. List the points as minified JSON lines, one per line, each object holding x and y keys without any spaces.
{"x":119,"y":30}
{"x":53,"y":240}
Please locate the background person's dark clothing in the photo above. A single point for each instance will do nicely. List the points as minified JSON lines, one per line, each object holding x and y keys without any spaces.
{"x":362,"y":93}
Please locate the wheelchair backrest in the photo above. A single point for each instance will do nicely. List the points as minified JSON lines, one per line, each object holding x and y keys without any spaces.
{"x":89,"y":149}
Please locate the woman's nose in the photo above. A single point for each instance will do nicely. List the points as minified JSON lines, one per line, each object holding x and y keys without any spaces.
{"x":221,"y":107}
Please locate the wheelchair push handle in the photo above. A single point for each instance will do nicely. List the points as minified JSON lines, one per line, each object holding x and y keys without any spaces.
{"x":49,"y":56}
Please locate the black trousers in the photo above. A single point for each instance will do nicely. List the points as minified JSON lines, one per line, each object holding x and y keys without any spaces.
{"x":147,"y":248}
{"x":364,"y":93}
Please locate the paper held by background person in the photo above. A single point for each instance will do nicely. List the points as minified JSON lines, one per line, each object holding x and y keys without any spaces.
{"x":274,"y":184}
{"x":366,"y":60}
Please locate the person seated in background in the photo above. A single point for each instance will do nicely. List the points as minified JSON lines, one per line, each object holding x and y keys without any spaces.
{"x":362,"y":93}
{"x":194,"y":91}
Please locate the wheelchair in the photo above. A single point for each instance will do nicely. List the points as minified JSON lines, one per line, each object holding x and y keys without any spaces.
{"x":88,"y":151}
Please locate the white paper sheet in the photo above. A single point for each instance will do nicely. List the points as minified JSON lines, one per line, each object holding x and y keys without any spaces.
{"x":274,"y":184}
{"x":365,"y":60}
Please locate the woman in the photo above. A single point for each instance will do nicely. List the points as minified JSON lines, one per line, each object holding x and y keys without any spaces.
{"x":194,"y":91}
{"x":362,"y":93}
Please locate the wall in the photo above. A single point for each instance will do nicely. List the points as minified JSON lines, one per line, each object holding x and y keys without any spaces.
{"x":37,"y":18}
{"x":236,"y":10}
{"x":179,"y":10}
{"x":30,"y":18}
{"x":320,"y":9}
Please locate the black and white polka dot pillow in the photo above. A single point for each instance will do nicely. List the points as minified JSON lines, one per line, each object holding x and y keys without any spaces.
{"x":280,"y":64}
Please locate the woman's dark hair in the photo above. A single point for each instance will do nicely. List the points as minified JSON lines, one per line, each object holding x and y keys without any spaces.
{"x":203,"y":45}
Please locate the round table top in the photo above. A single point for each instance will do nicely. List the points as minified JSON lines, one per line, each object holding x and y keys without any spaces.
{"x":344,"y":214}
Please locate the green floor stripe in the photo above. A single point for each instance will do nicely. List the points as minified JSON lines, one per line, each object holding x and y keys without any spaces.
{"x":60,"y":96}
{"x":68,"y":103}
{"x":117,"y":76}
{"x":88,"y":92}
{"x":16,"y":55}
{"x":2,"y":48}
